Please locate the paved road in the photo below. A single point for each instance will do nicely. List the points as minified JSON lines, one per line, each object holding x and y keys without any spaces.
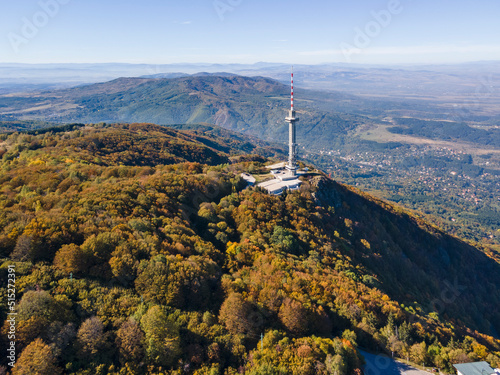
{"x":383,"y":365}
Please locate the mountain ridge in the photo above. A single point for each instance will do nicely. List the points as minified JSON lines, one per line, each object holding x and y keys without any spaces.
{"x":251,"y":105}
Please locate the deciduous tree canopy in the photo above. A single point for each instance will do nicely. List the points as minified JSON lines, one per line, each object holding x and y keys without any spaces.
{"x":128,"y":266}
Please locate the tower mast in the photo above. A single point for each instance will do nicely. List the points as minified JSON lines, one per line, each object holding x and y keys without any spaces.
{"x":292,"y":143}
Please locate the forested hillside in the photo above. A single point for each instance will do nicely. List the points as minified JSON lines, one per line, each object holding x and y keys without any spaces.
{"x":139,"y":250}
{"x":251,"y":105}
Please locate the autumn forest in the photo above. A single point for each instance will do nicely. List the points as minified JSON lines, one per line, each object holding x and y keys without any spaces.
{"x":139,"y":249}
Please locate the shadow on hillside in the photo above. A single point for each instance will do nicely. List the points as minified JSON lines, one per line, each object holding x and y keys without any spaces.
{"x":383,"y":365}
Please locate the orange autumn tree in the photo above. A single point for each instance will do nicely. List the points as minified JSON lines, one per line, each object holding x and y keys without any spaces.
{"x":36,"y":359}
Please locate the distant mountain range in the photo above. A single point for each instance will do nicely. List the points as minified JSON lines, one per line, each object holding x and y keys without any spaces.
{"x":398,"y":82}
{"x":252,"y":105}
{"x":255,"y":106}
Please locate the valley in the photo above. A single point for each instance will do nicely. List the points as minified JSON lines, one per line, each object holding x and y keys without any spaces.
{"x":392,"y":147}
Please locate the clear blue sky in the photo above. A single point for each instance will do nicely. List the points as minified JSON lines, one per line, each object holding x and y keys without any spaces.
{"x":247,"y":31}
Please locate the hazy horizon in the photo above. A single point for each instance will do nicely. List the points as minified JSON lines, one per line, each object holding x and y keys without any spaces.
{"x":276,"y":63}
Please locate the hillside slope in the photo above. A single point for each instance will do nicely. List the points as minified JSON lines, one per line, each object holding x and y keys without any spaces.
{"x":415,"y":261}
{"x":254,"y":106}
{"x":127,"y":265}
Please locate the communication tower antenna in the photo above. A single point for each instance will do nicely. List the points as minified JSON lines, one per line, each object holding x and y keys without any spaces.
{"x":292,"y":144}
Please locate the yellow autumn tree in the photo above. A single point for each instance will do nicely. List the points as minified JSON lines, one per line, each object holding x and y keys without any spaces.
{"x":36,"y":359}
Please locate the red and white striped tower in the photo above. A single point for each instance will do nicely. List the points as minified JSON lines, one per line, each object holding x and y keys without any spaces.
{"x":292,"y":144}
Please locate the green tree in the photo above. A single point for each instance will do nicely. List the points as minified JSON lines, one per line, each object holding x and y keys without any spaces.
{"x":162,"y":337}
{"x":284,"y":240}
{"x":335,"y":365}
{"x":41,"y":304}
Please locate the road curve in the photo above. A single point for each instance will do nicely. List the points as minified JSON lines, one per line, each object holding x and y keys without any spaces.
{"x":383,"y":365}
